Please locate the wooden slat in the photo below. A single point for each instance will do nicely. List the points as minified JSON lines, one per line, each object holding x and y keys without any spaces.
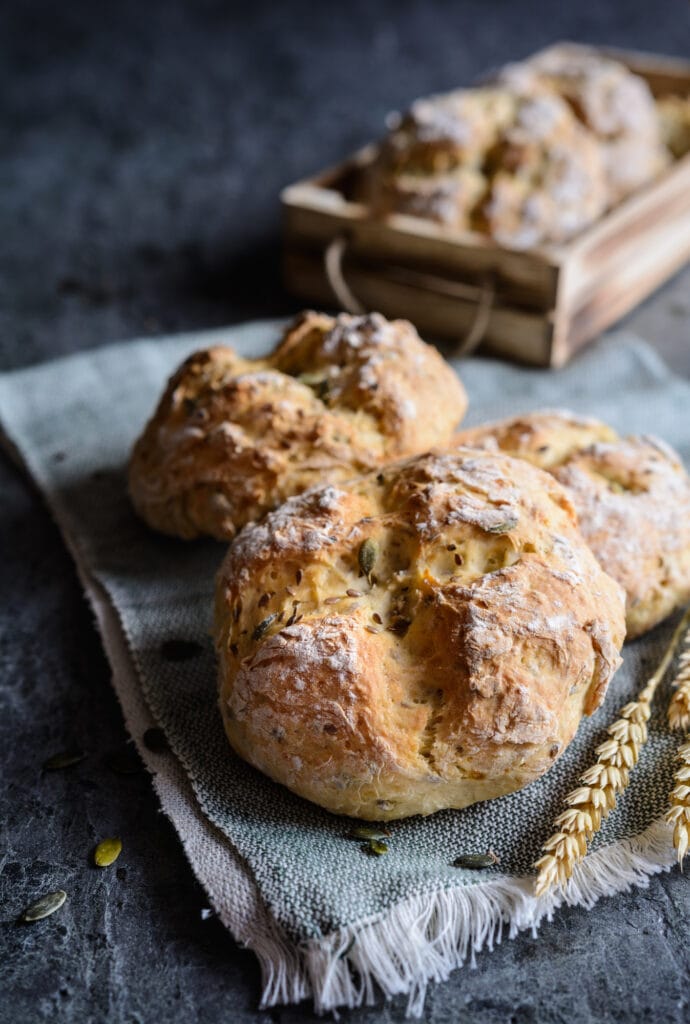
{"x":314,"y":216}
{"x":632,"y":250}
{"x":513,"y":332}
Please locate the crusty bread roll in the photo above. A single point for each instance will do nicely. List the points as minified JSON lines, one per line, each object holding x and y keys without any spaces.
{"x":547,"y":176}
{"x":232,"y":438}
{"x":615,"y":105}
{"x":632,"y":497}
{"x":533,"y":157}
{"x":430,"y":164}
{"x":520,"y":168}
{"x":423,"y":637}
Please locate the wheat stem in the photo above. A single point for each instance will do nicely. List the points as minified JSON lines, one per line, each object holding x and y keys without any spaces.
{"x":679,"y":707}
{"x":601,"y":784}
{"x":678,"y":813}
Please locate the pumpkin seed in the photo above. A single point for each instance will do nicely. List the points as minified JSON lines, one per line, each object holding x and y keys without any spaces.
{"x":45,"y":906}
{"x":369,"y":832}
{"x":264,"y":626}
{"x":473,"y":861}
{"x":503,"y":525}
{"x":107,"y":852}
{"x":65,"y":759}
{"x":377,"y":847}
{"x":368,"y":553}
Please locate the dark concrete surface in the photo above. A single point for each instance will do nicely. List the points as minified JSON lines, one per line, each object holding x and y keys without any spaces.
{"x":142,"y":148}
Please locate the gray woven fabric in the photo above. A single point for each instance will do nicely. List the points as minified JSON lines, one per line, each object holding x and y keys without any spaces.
{"x":73,"y":422}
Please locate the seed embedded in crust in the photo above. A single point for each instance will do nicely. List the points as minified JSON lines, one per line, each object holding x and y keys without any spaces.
{"x":264,"y":626}
{"x":367,"y":555}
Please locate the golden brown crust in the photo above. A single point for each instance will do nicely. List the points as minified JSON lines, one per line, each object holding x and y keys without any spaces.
{"x":420,"y":638}
{"x":632,"y":497}
{"x":232,"y":438}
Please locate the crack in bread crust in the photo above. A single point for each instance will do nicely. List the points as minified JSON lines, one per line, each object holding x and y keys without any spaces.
{"x":453,"y":667}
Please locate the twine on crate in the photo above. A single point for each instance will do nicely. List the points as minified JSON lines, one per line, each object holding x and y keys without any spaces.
{"x":482,"y":295}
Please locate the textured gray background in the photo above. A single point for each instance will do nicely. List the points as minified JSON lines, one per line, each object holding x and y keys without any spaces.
{"x":141,"y":153}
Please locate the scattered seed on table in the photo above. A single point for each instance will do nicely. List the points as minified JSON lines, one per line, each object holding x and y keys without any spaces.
{"x":377,"y":847}
{"x":107,"y":852}
{"x":45,"y":906}
{"x":476,"y":860}
{"x":369,"y":832}
{"x":64,"y":759}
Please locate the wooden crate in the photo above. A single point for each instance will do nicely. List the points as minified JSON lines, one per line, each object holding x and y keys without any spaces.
{"x":539,"y":305}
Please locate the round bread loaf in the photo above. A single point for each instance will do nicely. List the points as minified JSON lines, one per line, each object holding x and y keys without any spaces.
{"x":632,"y":497}
{"x":420,"y":638}
{"x":616,"y":106}
{"x":547,"y":178}
{"x":430,"y":164}
{"x":232,"y":438}
{"x":520,"y":168}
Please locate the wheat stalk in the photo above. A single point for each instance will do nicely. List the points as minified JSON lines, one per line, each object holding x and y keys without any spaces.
{"x":600,"y":785}
{"x":678,"y":813}
{"x":679,"y":708}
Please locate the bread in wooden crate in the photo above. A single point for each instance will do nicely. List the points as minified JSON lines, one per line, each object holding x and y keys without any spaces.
{"x":445,"y":272}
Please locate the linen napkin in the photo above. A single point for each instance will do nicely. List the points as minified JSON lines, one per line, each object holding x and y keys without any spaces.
{"x":325,"y":919}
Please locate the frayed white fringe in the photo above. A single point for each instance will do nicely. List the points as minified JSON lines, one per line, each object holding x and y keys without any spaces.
{"x":423,"y":939}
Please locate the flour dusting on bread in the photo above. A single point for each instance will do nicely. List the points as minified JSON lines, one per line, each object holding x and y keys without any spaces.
{"x":450,"y":665}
